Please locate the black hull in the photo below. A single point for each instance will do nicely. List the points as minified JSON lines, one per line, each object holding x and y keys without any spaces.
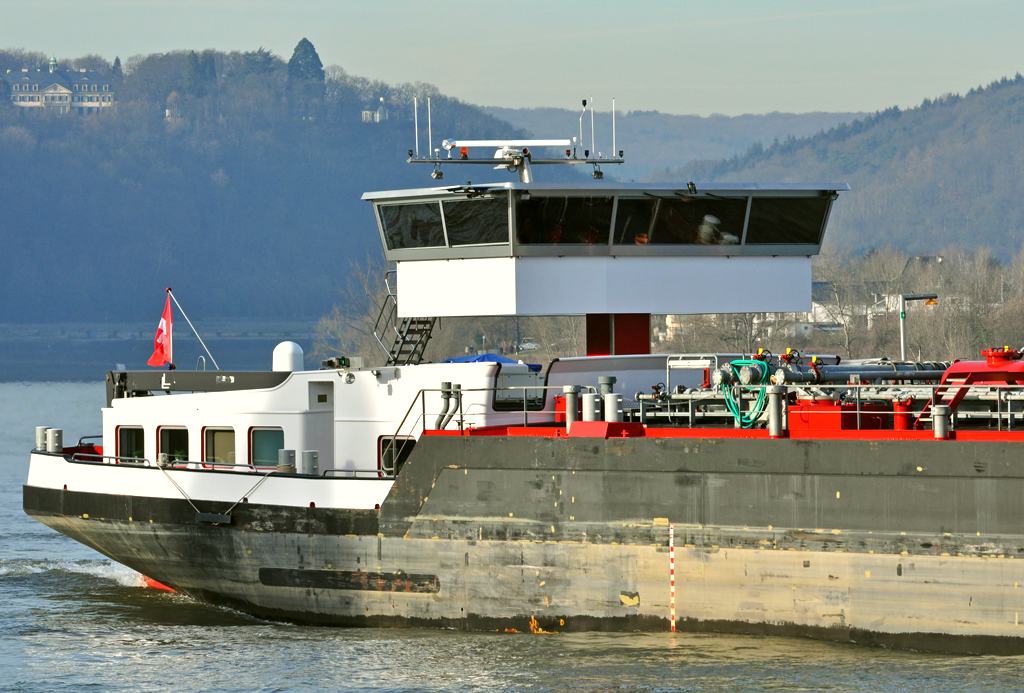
{"x":910,"y":544}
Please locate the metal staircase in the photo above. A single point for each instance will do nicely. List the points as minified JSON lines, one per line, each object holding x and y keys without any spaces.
{"x":408,"y":336}
{"x":950,"y":392}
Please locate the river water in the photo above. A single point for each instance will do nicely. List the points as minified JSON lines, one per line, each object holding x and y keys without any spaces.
{"x":71,"y":619}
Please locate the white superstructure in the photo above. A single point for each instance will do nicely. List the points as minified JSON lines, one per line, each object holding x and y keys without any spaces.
{"x":343,"y":414}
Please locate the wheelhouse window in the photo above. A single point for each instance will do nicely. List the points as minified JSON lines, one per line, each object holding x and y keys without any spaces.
{"x":219,"y":445}
{"x":563,"y":220}
{"x":131,"y":442}
{"x":412,"y":225}
{"x":476,"y":222}
{"x":173,"y":442}
{"x":787,"y":220}
{"x":680,"y":221}
{"x":264,"y":444}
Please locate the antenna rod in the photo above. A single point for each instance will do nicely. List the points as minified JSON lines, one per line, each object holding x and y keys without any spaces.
{"x":193,"y":328}
{"x":593,"y":151}
{"x":416,"y":124}
{"x":614,"y":150}
{"x":430,"y":135}
{"x":581,"y":124}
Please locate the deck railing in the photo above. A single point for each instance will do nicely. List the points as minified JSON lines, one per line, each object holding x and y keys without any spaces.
{"x":698,"y":408}
{"x":420,"y":420}
{"x":993,"y":406}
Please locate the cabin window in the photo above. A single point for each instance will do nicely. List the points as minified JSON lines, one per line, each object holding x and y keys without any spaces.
{"x":563,"y":220}
{"x":476,"y":222}
{"x":219,"y":445}
{"x":173,"y":442}
{"x":393,"y":451}
{"x":263,"y":446}
{"x":509,"y":397}
{"x":787,"y":220}
{"x":413,"y":225}
{"x":131,"y":442}
{"x":680,"y":221}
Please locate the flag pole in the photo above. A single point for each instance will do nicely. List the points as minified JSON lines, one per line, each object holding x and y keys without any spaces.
{"x":193,"y":330}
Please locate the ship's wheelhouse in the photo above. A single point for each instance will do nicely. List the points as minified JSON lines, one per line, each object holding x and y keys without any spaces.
{"x":602,"y":248}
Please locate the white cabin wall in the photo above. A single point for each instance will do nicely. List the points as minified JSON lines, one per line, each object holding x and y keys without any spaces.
{"x":374,"y":405}
{"x":632,"y":373}
{"x":623,"y":284}
{"x":344,"y":429}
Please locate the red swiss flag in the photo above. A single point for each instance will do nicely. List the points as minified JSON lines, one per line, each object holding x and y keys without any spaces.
{"x":162,"y":352}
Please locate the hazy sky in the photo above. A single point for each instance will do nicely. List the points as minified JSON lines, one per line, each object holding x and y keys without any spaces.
{"x":676,"y":57}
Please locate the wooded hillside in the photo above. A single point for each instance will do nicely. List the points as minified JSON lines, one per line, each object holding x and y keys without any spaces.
{"x":233,"y":177}
{"x":948,"y":172}
{"x":656,"y":142}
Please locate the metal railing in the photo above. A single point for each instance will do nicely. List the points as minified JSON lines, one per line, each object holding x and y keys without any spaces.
{"x":352,"y":473}
{"x":389,"y":306}
{"x":688,"y":362}
{"x":96,"y":458}
{"x":864,"y":399}
{"x":212,"y":464}
{"x":421,"y":418}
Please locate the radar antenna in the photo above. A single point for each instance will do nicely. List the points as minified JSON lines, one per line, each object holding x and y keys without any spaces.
{"x":515,"y":155}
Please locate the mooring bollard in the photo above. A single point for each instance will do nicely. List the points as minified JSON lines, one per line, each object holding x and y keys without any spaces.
{"x":775,"y":393}
{"x":310,"y":462}
{"x":940,"y":421}
{"x":286,"y":461}
{"x":41,"y":437}
{"x":571,"y":404}
{"x":54,"y":440}
{"x":613,"y":407}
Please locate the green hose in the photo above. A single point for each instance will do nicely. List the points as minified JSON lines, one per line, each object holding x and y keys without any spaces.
{"x":747,"y":420}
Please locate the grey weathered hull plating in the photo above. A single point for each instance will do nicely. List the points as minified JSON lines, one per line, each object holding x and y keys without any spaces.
{"x":911,"y":544}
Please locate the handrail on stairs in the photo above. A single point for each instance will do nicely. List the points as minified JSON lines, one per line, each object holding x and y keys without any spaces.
{"x":398,"y":354}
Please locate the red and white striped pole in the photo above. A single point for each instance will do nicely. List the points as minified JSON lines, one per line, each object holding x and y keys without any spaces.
{"x":672,"y":573}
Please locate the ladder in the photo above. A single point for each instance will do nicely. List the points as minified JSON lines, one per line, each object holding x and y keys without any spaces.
{"x":950,"y":392}
{"x":409,"y":336}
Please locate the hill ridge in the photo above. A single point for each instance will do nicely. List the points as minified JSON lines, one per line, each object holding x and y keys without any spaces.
{"x":950,"y":171}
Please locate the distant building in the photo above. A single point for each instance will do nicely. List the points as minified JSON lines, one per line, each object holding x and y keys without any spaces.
{"x":376,"y":116}
{"x":62,"y":91}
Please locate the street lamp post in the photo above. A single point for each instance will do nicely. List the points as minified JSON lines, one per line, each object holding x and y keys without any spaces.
{"x":929,"y":300}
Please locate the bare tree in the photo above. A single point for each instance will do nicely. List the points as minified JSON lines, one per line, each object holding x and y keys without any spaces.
{"x":844,"y":301}
{"x":883,"y":273}
{"x":348,"y":329}
{"x":981,"y":304}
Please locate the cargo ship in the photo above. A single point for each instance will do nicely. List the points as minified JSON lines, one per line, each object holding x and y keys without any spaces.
{"x":877,"y":502}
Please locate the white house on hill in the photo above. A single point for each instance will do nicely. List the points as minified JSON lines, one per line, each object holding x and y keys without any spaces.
{"x":61,"y":91}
